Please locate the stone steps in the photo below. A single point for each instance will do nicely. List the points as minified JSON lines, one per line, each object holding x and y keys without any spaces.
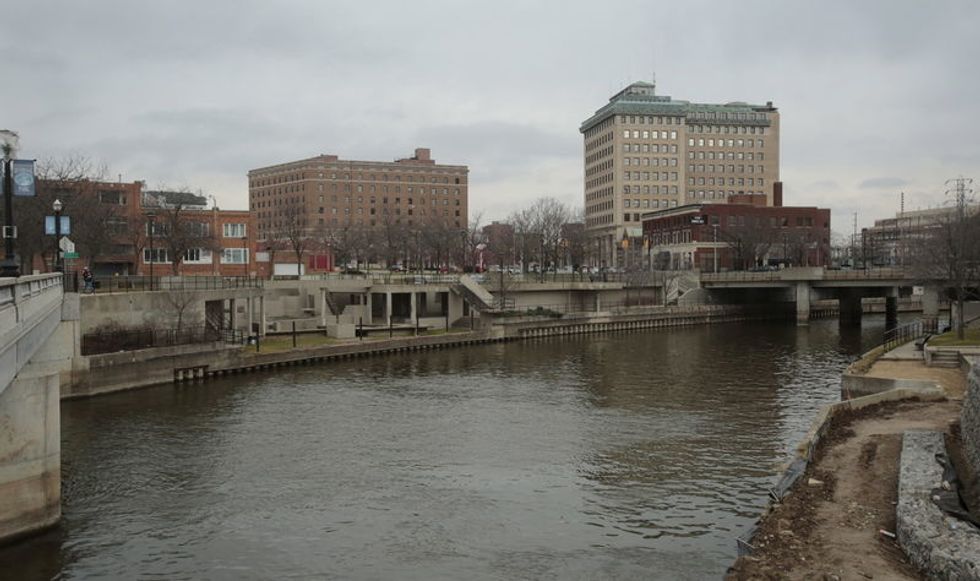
{"x":949,"y":359}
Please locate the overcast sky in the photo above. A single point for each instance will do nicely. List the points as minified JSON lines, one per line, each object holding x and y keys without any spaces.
{"x":875,"y":97}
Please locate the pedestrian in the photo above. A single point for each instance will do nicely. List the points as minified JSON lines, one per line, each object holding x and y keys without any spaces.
{"x":89,"y":280}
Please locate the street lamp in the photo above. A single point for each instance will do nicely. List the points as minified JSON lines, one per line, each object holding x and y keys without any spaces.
{"x":150,"y":219}
{"x":57,"y":235}
{"x":715,"y":227}
{"x":10,"y":265}
{"x":245,"y":247}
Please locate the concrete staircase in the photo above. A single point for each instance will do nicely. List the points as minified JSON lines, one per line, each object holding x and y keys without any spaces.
{"x":478,"y":297}
{"x":680,"y":285}
{"x":331,"y":304}
{"x":949,"y":359}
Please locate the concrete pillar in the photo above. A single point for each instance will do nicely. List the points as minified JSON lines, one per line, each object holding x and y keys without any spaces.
{"x":231,"y":313}
{"x":262,"y":324}
{"x":415,"y":311}
{"x":369,"y":308}
{"x":891,"y":310}
{"x":850,"y":307}
{"x":802,"y":303}
{"x":388,"y":308}
{"x":930,"y":306}
{"x":250,"y":307}
{"x":323,"y":307}
{"x":598,"y":301}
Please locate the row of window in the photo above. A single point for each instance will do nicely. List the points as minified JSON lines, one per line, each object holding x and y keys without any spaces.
{"x":710,"y":142}
{"x":649,"y":120}
{"x":196,"y":255}
{"x":645,"y":134}
{"x":648,"y":148}
{"x":648,"y":204}
{"x":710,"y":168}
{"x":199,"y":229}
{"x":651,"y":190}
{"x":727,"y":129}
{"x":656,"y":161}
{"x":648,"y":176}
{"x":282,"y":179}
{"x":731,"y":181}
{"x":751,"y":156}
{"x":710,"y":194}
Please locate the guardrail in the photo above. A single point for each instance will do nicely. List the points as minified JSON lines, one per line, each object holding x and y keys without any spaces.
{"x":806,"y":273}
{"x":15,"y":290}
{"x":130,"y":284}
{"x":908,"y":332}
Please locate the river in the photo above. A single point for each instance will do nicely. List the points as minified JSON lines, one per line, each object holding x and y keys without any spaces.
{"x":633,"y":455}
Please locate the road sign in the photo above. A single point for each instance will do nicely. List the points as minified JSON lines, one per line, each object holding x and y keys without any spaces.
{"x":68,"y":255}
{"x":66,"y":245}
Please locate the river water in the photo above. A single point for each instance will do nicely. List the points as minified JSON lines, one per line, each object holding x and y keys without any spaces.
{"x":634,"y":455}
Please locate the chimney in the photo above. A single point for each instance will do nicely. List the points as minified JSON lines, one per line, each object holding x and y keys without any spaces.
{"x":422,"y":153}
{"x":777,"y":194}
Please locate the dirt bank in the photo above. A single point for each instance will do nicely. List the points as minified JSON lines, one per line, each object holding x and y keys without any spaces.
{"x":831,"y":530}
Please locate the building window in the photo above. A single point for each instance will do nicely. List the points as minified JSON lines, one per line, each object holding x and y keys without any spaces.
{"x":156,"y":256}
{"x":236,"y":230}
{"x":197,"y":255}
{"x":234,"y":255}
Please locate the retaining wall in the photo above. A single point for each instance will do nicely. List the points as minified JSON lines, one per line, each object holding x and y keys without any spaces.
{"x":943,"y":547}
{"x":970,"y":417}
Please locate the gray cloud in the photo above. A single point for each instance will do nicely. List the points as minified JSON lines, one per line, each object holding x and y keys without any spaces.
{"x":884,"y":182}
{"x":200,"y":92}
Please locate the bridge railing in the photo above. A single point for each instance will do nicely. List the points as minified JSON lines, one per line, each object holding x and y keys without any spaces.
{"x":805,"y":273}
{"x":135,"y":284}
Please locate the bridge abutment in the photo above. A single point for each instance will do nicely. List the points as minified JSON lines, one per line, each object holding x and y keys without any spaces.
{"x":849,"y":303}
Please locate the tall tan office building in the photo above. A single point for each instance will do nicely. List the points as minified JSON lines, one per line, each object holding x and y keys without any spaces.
{"x":328,"y":192}
{"x":645,"y":152}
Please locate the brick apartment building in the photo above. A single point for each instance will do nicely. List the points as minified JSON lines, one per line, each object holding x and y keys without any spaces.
{"x":741,"y":234}
{"x":323,"y":194}
{"x":111,"y":230}
{"x":645,"y":152}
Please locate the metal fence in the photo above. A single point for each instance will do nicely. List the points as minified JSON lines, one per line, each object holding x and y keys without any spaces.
{"x":129,"y":284}
{"x":908,"y":332}
{"x":112,"y":341}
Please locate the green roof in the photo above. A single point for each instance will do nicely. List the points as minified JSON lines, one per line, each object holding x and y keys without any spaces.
{"x":638,"y":99}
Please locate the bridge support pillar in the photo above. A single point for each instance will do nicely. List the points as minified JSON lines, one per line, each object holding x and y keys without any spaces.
{"x":802,"y":303}
{"x":930,"y":307}
{"x":323,"y":307}
{"x":891,"y":309}
{"x":262,"y":324}
{"x":415,"y":308}
{"x":598,"y":301}
{"x":850,"y":308}
{"x":388,"y":308}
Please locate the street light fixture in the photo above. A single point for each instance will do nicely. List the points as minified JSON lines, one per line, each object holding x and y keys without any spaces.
{"x":150,"y":219}
{"x":10,"y":265}
{"x":57,"y":235}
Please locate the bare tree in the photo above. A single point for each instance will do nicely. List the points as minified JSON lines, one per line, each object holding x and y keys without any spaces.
{"x":749,"y":243}
{"x":291,"y":233}
{"x":181,"y":232}
{"x":181,"y":302}
{"x":949,"y":254}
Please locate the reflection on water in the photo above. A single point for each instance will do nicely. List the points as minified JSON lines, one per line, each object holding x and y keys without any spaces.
{"x":615,"y":456}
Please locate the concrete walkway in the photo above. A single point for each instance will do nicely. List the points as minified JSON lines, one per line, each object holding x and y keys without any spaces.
{"x":906,"y":352}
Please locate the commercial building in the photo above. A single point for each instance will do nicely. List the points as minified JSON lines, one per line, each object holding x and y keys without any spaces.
{"x":741,"y":234}
{"x":325,"y":193}
{"x":645,"y":152}
{"x":891,"y":241}
{"x":213,"y":241}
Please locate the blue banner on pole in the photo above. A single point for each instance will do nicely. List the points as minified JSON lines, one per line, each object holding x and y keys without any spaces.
{"x":65,"y":225}
{"x":23,"y":174}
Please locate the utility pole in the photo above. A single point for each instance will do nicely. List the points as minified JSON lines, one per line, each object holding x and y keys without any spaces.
{"x":960,"y":188}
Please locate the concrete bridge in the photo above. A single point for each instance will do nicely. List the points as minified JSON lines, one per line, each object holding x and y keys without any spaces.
{"x":38,"y":338}
{"x":803,"y":285}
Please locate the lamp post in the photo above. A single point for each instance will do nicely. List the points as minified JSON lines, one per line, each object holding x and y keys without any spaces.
{"x":715,"y":228}
{"x":10,"y":265}
{"x":150,"y":219}
{"x":57,"y":235}
{"x":245,"y":248}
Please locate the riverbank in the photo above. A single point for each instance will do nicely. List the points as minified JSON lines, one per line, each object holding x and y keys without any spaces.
{"x":829,"y":525}
{"x":113,"y":372}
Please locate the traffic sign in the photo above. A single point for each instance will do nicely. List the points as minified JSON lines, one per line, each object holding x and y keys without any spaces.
{"x":66,"y":245}
{"x":70,"y":255}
